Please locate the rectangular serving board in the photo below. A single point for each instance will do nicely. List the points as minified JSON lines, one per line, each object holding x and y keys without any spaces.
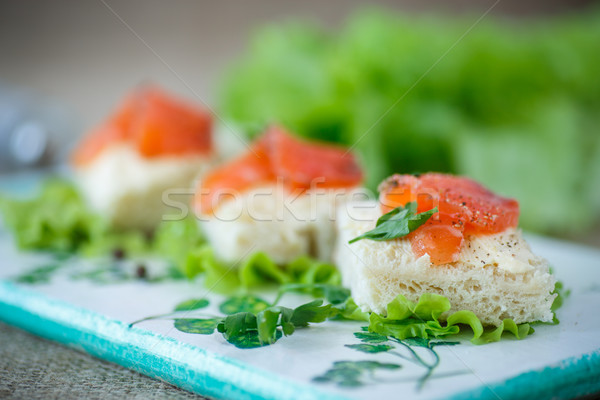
{"x":561,"y":361}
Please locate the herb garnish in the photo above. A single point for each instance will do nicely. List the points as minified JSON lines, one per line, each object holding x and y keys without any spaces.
{"x":397,"y":223}
{"x":268,"y":324}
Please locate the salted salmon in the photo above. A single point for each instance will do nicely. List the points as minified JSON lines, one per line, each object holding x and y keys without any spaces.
{"x":277,"y":155}
{"x":154,"y":123}
{"x":465,"y":208}
{"x":305,"y":164}
{"x":251,"y":169}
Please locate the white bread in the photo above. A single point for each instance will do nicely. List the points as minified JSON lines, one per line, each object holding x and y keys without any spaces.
{"x":270,"y":220}
{"x":497,"y":276}
{"x":128,"y":189}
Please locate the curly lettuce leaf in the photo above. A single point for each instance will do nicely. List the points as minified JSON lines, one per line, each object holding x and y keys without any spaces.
{"x":406,"y":319}
{"x":349,"y":310}
{"x":258,"y":270}
{"x":174,"y":240}
{"x":57,"y":219}
{"x":561,"y":295}
{"x":307,"y":270}
{"x":508,"y":325}
{"x":218,"y":276}
{"x":466,"y":317}
{"x":37,"y":225}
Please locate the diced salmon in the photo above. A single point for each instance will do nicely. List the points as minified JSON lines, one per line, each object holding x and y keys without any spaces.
{"x":464,"y":207}
{"x":445,"y":239}
{"x":152,"y":122}
{"x":277,"y":155}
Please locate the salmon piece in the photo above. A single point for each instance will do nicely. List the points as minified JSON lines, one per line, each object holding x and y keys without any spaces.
{"x":445,"y":239}
{"x":251,"y":169}
{"x":305,"y":164}
{"x":464,"y":208}
{"x":154,"y":123}
{"x":113,"y":131}
{"x":95,"y":142}
{"x":277,"y":155}
{"x":167,"y":126}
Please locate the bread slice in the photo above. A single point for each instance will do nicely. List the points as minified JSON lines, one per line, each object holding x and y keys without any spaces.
{"x":128,"y":189}
{"x":497,"y":276}
{"x":270,"y":220}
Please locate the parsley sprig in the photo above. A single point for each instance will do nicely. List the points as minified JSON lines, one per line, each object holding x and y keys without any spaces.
{"x":397,"y":223}
{"x":266,"y":324}
{"x":264,"y":327}
{"x":251,"y":322}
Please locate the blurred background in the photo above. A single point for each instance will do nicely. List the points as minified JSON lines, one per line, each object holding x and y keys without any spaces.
{"x":507,"y":92}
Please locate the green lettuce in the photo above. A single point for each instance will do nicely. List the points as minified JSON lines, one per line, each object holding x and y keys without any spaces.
{"x":176,"y":240}
{"x":257,"y":271}
{"x":217,"y":275}
{"x":252,"y":322}
{"x":57,"y":220}
{"x":508,"y":325}
{"x":406,"y":319}
{"x":54,"y":220}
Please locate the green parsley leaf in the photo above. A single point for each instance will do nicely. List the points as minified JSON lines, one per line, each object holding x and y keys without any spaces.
{"x":237,"y":324}
{"x":397,"y":223}
{"x":267,"y":325}
{"x":310,"y":312}
{"x":349,"y":310}
{"x":286,"y":318}
{"x":250,"y":340}
{"x":264,"y":326}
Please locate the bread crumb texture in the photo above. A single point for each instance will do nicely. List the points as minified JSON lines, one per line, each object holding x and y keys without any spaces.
{"x":496,"y":277}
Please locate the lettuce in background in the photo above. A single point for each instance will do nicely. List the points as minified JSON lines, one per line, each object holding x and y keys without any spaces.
{"x":514,"y":104}
{"x":38,"y":224}
{"x":58,"y":220}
